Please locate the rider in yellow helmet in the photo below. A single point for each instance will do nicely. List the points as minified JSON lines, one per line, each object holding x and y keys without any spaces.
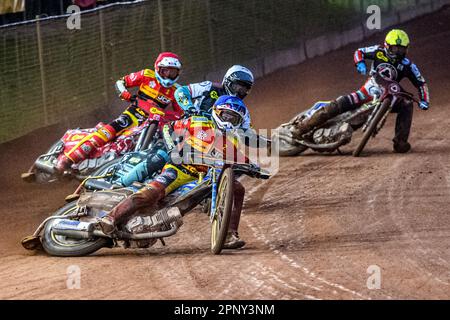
{"x":396,"y":44}
{"x":390,"y":61}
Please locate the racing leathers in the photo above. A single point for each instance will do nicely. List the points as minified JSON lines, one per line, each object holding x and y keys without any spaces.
{"x":387,"y":67}
{"x":200,"y":97}
{"x":185,"y":139}
{"x":150,"y":94}
{"x":195,"y":98}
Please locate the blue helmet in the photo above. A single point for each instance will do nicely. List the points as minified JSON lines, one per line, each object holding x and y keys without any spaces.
{"x":229,"y":112}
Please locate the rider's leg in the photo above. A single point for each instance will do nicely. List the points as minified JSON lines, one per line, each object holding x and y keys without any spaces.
{"x":131,"y":117}
{"x":170,"y":179}
{"x":233,"y":241}
{"x":86,"y":147}
{"x":145,"y":197}
{"x":152,"y":164}
{"x":403,"y":123}
{"x":342,"y":104}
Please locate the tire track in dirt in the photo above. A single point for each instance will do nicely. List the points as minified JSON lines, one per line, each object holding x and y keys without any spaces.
{"x":427,"y":260}
{"x":311,"y":230}
{"x":275,"y":227}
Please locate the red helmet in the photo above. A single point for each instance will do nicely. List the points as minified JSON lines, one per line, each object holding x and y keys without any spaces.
{"x":167,"y":68}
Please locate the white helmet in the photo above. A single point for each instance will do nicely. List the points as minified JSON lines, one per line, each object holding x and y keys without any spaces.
{"x":238,"y":81}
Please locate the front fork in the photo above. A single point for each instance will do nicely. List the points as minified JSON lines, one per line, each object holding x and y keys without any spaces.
{"x":375,"y":111}
{"x":213,"y":195}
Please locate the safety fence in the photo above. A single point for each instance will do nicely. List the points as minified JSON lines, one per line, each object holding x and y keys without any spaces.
{"x":50,"y":73}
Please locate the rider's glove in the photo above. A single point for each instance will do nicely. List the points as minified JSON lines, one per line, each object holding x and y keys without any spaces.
{"x":361,"y":67}
{"x":125,"y":95}
{"x":424,"y":105}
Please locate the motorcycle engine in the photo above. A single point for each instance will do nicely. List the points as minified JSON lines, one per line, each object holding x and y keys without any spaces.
{"x":160,"y":221}
{"x":339,"y":132}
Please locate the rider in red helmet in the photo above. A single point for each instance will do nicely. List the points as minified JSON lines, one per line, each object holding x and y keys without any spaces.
{"x":156,"y":88}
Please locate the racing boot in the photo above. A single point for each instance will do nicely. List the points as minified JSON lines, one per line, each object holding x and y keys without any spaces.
{"x":319,"y":117}
{"x":232,"y":240}
{"x":86,"y":147}
{"x":401,"y":147}
{"x":145,"y":197}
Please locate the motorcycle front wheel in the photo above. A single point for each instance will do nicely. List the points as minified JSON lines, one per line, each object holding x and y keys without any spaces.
{"x":224,"y":205}
{"x":371,"y":128}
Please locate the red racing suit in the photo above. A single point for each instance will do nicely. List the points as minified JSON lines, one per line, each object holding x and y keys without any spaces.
{"x":150,"y":94}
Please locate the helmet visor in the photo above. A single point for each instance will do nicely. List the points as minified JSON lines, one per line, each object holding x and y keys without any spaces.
{"x":398,"y":50}
{"x":169,"y":73}
{"x":240,"y":88}
{"x":230,"y":116}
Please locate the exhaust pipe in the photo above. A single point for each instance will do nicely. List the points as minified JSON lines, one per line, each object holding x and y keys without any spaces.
{"x":86,"y":230}
{"x":79,"y":234}
{"x":73,"y":229}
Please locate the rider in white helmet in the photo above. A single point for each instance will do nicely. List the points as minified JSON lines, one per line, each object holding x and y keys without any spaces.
{"x":200,"y":97}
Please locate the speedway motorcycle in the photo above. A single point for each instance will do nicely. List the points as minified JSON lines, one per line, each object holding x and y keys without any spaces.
{"x":110,"y":175}
{"x":72,"y":230}
{"x":338,"y":131}
{"x":134,"y":139}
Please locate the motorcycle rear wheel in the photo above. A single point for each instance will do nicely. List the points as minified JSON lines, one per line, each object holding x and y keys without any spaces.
{"x":62,"y":246}
{"x":224,"y":206}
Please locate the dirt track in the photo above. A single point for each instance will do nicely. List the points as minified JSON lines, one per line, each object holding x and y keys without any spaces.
{"x":312,"y":230}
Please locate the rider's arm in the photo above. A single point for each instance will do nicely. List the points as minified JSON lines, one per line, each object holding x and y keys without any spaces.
{"x":416,"y":78}
{"x":367,"y":53}
{"x":183,"y":97}
{"x":167,"y":137}
{"x":192,"y":92}
{"x":131,"y":80}
{"x":174,"y":132}
{"x":250,"y":137}
{"x":230,"y":150}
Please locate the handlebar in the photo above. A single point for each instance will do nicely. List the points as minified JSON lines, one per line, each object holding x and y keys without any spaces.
{"x":390,"y":86}
{"x":249,"y":169}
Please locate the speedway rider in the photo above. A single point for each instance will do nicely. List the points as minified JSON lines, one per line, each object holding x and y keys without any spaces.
{"x":156,"y":88}
{"x":391,"y":62}
{"x":204,"y":137}
{"x":198,"y":99}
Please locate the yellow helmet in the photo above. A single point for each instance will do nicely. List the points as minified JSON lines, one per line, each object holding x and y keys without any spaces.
{"x":396,"y":43}
{"x":397,"y":37}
